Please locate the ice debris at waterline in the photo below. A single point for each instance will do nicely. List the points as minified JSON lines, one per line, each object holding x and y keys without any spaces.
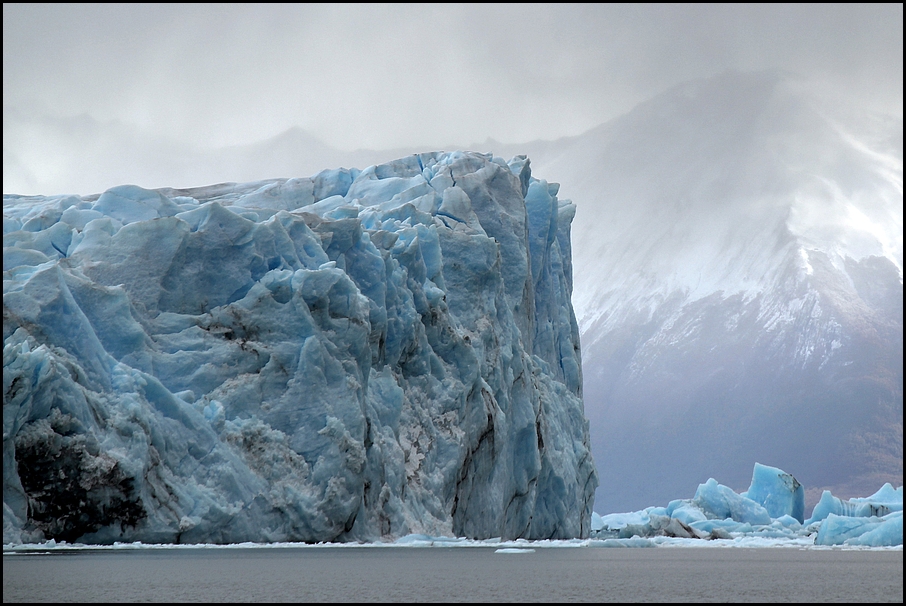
{"x":772,"y":508}
{"x":360,"y":355}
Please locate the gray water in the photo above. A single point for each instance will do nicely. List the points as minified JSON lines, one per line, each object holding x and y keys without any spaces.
{"x":398,"y":574}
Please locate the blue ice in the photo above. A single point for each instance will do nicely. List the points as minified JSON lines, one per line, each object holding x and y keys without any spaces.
{"x":359,"y":355}
{"x":771,"y":509}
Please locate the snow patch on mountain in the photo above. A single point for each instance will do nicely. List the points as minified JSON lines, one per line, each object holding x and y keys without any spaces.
{"x":738,"y":247}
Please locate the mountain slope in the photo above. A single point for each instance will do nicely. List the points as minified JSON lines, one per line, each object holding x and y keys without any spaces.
{"x":738,"y":285}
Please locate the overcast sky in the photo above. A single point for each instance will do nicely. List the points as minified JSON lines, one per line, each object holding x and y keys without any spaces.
{"x":384,"y":76}
{"x":389,"y":75}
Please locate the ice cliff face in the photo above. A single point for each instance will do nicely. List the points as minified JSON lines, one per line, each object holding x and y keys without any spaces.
{"x":357,"y":355}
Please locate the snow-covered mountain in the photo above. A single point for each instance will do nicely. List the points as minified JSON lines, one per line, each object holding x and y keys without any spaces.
{"x":738,"y":285}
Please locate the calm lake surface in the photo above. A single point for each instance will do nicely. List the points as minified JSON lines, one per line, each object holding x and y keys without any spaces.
{"x":400,"y":574}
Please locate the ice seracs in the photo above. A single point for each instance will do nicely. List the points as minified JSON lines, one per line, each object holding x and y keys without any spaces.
{"x":886,"y":500}
{"x":359,"y":355}
{"x":772,"y":508}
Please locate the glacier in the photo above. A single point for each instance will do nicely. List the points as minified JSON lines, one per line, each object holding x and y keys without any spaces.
{"x":771,"y":509}
{"x":767,"y":515}
{"x":357,"y":356}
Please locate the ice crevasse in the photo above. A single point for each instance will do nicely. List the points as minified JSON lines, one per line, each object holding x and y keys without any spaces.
{"x":358,"y":355}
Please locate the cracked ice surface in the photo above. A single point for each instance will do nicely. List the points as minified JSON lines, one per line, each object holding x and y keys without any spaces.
{"x":360,"y":355}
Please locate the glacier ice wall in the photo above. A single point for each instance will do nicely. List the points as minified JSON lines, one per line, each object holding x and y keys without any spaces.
{"x":356,"y":355}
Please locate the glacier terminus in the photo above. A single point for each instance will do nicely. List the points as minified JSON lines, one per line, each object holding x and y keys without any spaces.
{"x":356,"y":356}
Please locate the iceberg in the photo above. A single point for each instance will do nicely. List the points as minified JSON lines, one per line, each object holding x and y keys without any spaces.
{"x":719,"y":501}
{"x":777,"y":491}
{"x":771,"y":509}
{"x":357,"y":356}
{"x":872,"y":531}
{"x":886,"y":500}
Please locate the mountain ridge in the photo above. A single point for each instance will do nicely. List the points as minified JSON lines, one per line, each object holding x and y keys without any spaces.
{"x":722,"y":228}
